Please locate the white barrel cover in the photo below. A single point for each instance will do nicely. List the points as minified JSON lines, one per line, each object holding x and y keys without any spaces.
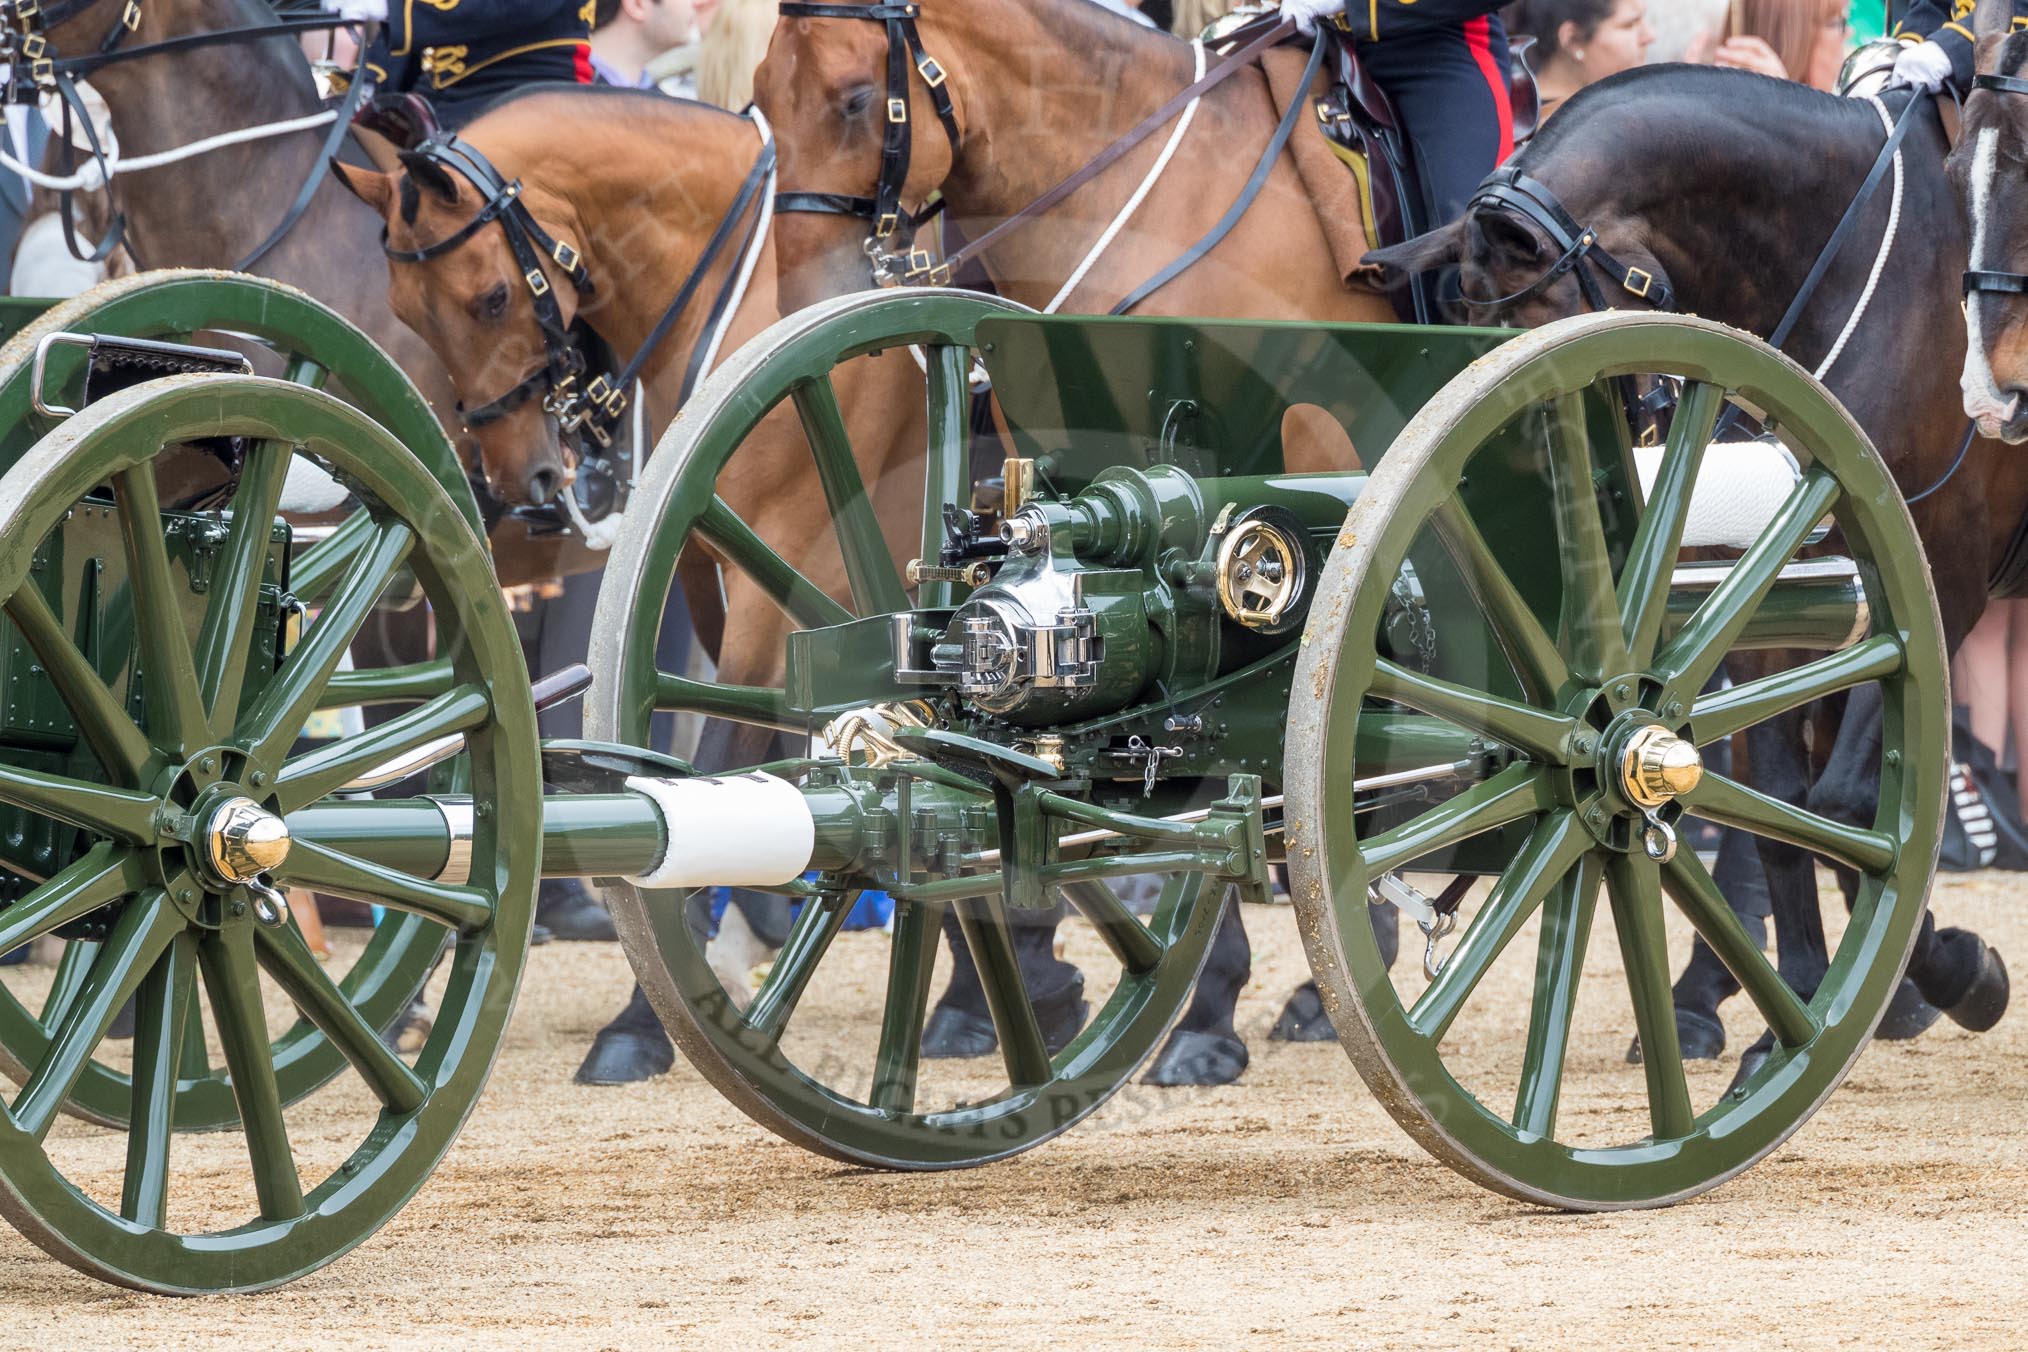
{"x":1740,"y":486}
{"x":750,"y":830}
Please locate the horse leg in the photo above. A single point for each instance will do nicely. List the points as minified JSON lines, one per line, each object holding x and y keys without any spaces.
{"x":562,"y":635}
{"x":1950,"y":970}
{"x":1303,"y":1017}
{"x":1205,"y":1048}
{"x":961,"y":1025}
{"x":1781,"y":770}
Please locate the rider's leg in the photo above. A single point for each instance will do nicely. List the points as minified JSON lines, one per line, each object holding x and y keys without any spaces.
{"x":1449,"y":87}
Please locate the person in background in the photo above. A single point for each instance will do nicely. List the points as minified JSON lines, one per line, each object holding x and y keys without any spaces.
{"x":461,"y":54}
{"x":1444,"y":63}
{"x":1580,"y":42}
{"x":1800,"y":40}
{"x":627,"y":35}
{"x":1936,"y":38}
{"x":732,"y":47}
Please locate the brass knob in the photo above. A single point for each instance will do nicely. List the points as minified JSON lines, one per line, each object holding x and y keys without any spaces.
{"x":1658,"y":766}
{"x":245,"y":840}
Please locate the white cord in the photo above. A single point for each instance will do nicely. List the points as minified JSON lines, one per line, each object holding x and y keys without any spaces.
{"x":93,"y":175}
{"x":753,"y":253}
{"x":1140,"y":194}
{"x":1880,"y":262}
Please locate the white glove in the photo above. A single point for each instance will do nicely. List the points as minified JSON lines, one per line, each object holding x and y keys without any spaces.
{"x":1307,"y":12}
{"x":1924,"y":65}
{"x":358,"y":11}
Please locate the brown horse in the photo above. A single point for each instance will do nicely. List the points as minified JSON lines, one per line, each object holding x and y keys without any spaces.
{"x":1039,"y":88}
{"x":640,"y":232}
{"x":1684,"y":171}
{"x":216,"y":208}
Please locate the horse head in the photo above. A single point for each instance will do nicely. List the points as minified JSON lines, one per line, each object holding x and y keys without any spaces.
{"x":476,"y":307}
{"x":1986,"y":167}
{"x":856,"y":103}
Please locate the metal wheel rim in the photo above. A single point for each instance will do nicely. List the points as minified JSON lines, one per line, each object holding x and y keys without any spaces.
{"x":680,"y":986}
{"x":1405,"y":1071}
{"x":396,"y":1157}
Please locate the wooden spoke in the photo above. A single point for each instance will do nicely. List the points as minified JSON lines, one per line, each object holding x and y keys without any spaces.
{"x":1559,"y":962}
{"x":276,"y":719}
{"x":330,"y":767}
{"x":114,"y":738}
{"x":71,"y":969}
{"x":1591,"y":618}
{"x":1537,"y":663}
{"x":232,"y":981}
{"x":407,"y":684}
{"x":282,"y":953}
{"x":303,"y":370}
{"x":1536,"y":734}
{"x":101,"y":875}
{"x":224,"y":640}
{"x":1730,"y":803}
{"x":1719,"y":715}
{"x":1696,"y":893}
{"x":176,"y":710}
{"x":946,"y":471}
{"x":1631,"y":882}
{"x":1550,"y":853}
{"x":1644,"y":583}
{"x":1136,"y":947}
{"x":312,"y":574}
{"x":763,"y":705}
{"x":1516,"y":792}
{"x":817,"y":924}
{"x":983,"y":921}
{"x":324,"y":869}
{"x":162,"y":1009}
{"x":1697,"y":649}
{"x":910,"y":962}
{"x":138,"y":937}
{"x":799,"y":598}
{"x":119,"y":813}
{"x":869,"y":567}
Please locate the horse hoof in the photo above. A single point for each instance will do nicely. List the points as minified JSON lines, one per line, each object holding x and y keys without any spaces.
{"x":1699,"y":1037}
{"x":1751,"y":1060}
{"x":1062,"y":1018}
{"x":954,"y":1034}
{"x":1198,"y":1058}
{"x":625,"y":1054}
{"x":538,"y":935}
{"x":572,"y":915}
{"x":411,"y":1030}
{"x":1303,"y":1018}
{"x":1908,"y":1015}
{"x":1981,"y":1006}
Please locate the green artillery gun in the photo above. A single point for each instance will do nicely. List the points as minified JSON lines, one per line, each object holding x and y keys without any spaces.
{"x":1474,"y":646}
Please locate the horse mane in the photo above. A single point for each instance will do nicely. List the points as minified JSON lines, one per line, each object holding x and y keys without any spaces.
{"x":585,"y":94}
{"x":1673,"y":108}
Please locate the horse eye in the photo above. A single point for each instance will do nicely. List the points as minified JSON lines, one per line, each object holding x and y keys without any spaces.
{"x":858,"y":101}
{"x":494,"y":303}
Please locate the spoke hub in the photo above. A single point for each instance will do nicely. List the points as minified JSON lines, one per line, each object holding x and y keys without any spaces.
{"x":1656,"y":765}
{"x":242,"y":840}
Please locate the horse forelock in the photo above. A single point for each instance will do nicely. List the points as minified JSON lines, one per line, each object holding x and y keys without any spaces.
{"x":409,"y":199}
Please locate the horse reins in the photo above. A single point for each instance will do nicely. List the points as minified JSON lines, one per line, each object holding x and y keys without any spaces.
{"x":596,"y":408}
{"x":36,"y":68}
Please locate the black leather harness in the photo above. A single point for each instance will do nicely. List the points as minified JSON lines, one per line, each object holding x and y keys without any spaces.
{"x":596,"y":408}
{"x":2011,"y":577}
{"x":890,"y":219}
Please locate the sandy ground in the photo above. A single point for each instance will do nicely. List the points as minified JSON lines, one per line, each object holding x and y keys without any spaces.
{"x":1285,"y":1209}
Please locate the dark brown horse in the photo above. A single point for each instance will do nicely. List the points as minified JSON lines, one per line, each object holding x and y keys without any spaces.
{"x":1685,"y":172}
{"x":214,"y":209}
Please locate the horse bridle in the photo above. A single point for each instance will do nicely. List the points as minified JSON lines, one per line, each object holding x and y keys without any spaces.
{"x":36,"y":68}
{"x":889,"y":219}
{"x":1513,"y":193}
{"x":595,"y":409}
{"x":1985,"y":281}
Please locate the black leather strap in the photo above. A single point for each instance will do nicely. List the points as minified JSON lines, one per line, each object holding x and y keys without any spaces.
{"x":2000,"y":84}
{"x":2003,"y":283}
{"x":362,"y":84}
{"x":1254,"y":183}
{"x":1511,"y":191}
{"x":825,"y":203}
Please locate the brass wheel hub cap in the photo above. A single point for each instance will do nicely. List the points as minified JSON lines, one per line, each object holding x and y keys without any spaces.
{"x":1658,"y":766}
{"x":243,"y":840}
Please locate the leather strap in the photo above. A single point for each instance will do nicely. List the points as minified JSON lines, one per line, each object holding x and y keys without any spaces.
{"x":362,"y":84}
{"x":2000,"y":84}
{"x":1254,"y":183}
{"x":1515,"y":193}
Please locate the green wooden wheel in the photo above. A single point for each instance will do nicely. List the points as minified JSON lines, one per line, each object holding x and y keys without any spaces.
{"x":316,"y":346}
{"x":1572,"y":659}
{"x":216,"y":726}
{"x":864,"y":1110}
